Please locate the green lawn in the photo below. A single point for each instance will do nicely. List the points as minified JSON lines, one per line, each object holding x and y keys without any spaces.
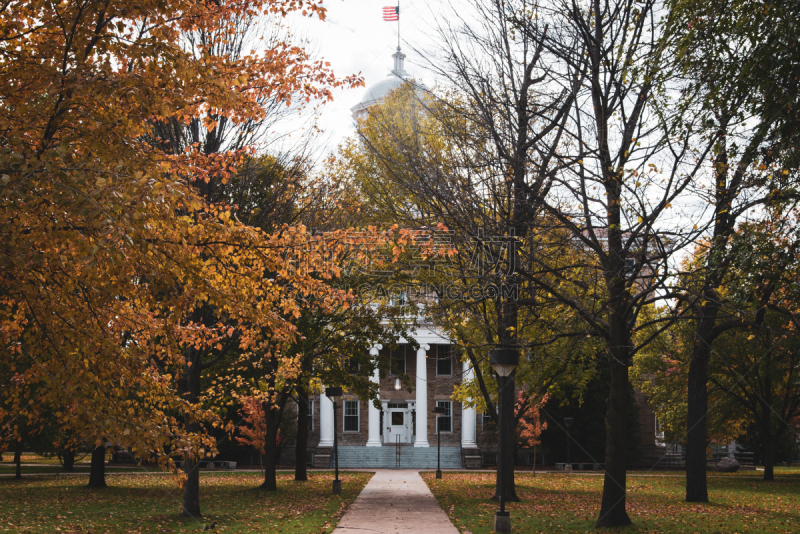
{"x":151,"y":503}
{"x":6,"y":469}
{"x":741,"y":503}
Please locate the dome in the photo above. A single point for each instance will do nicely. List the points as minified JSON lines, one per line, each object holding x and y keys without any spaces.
{"x":378,"y":91}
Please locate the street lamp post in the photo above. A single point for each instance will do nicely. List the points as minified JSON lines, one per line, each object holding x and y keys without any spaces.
{"x":568,"y":423}
{"x":503,"y":361}
{"x":439,"y":411}
{"x":334,"y":394}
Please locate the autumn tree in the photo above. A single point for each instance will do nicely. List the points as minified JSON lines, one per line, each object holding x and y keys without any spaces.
{"x":753,"y":363}
{"x":530,"y":426}
{"x":738,"y":62}
{"x":101,"y":227}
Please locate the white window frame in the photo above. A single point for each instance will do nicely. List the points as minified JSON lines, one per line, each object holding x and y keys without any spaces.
{"x":357,"y":416}
{"x":438,"y":358}
{"x":448,"y":415}
{"x":310,"y":413}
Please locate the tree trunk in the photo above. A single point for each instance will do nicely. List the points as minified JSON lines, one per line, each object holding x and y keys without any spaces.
{"x":505,"y":457}
{"x":68,"y":456}
{"x":300,"y":471}
{"x":18,"y":459}
{"x":97,"y":473}
{"x":696,"y":443}
{"x":271,"y":448}
{"x":696,"y":434}
{"x":769,"y":454}
{"x":191,"y":486}
{"x":768,"y":441}
{"x":612,"y":506}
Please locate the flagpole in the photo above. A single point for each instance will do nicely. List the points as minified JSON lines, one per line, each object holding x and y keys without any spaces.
{"x":398,"y":24}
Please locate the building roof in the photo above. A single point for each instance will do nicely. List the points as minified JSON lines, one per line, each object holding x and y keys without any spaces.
{"x":378,"y":91}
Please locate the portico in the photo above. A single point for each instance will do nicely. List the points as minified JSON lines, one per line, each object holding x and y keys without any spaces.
{"x":412,"y":381}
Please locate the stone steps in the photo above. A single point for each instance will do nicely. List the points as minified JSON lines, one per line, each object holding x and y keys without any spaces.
{"x":386,"y":457}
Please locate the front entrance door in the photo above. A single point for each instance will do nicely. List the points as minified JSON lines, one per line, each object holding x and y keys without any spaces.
{"x":399,"y":425}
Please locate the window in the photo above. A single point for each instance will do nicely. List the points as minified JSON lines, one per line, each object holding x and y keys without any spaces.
{"x":353,"y":366}
{"x":399,"y":361}
{"x":444,"y":363}
{"x":351,"y":416}
{"x":488,"y":422}
{"x":310,"y":413}
{"x":629,"y":265}
{"x":445,"y":421}
{"x":398,"y":299}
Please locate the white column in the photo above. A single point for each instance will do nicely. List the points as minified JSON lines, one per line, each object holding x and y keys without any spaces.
{"x":468,"y":428}
{"x":374,"y":439}
{"x":325,"y":420}
{"x":422,"y":397}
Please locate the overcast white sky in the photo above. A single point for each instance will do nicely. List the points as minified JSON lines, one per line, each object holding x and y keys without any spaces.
{"x":354,"y":38}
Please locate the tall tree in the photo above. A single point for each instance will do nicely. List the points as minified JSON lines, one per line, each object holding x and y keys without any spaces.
{"x":739,"y":63}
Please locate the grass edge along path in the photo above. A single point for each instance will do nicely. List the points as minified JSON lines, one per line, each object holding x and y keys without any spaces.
{"x":741,"y":503}
{"x":139,"y":504}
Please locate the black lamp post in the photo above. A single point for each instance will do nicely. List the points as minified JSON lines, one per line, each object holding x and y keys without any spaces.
{"x":568,"y":423}
{"x":439,"y":411}
{"x":333,"y":394}
{"x":503,"y":361}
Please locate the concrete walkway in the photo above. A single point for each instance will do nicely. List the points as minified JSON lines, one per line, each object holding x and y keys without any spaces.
{"x":395,"y":501}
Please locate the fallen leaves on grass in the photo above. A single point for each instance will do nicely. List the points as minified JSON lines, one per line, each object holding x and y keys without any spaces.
{"x":557,"y":503}
{"x":145,"y":503}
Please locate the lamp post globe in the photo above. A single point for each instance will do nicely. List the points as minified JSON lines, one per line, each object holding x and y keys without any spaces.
{"x":334,"y":394}
{"x":503,"y":360}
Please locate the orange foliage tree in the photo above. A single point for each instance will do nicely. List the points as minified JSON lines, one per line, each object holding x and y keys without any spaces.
{"x":530,"y":426}
{"x":106,"y":245}
{"x":253,"y":429}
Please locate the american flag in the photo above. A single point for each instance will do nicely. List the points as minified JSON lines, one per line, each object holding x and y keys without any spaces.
{"x":391,"y":13}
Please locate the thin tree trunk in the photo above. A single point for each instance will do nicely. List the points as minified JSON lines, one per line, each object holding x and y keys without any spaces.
{"x":612,"y":506}
{"x":270,"y":448}
{"x":505,"y":457}
{"x":18,"y":459}
{"x":768,"y":441}
{"x":769,"y":453}
{"x":97,"y":473}
{"x":191,"y":486}
{"x":696,"y":422}
{"x":300,"y":471}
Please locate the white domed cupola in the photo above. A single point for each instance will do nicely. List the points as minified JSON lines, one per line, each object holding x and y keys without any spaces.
{"x":378,"y":91}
